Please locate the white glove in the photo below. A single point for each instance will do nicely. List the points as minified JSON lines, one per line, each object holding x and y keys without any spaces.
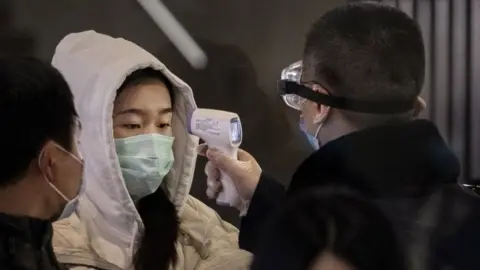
{"x":240,"y":170}
{"x":213,"y":184}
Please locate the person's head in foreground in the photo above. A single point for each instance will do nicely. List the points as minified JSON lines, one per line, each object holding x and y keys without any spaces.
{"x":329,"y":229}
{"x":141,"y":158}
{"x":42,"y":171}
{"x":363,"y":66}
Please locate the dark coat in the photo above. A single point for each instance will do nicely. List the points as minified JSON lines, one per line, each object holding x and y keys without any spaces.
{"x":26,"y":244}
{"x":409,"y":171}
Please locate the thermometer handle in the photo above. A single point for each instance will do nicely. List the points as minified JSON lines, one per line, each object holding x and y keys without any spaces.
{"x":229,"y":195}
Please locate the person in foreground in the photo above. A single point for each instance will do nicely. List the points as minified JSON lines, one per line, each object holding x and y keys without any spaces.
{"x":136,"y":212}
{"x":331,"y":228}
{"x":41,"y":175}
{"x":358,"y":90}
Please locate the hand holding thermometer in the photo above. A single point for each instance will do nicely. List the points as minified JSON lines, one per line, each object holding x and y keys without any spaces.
{"x":221,"y":130}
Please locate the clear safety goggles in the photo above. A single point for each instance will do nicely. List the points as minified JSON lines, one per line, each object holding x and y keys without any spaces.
{"x":293,"y":73}
{"x":294,"y":94}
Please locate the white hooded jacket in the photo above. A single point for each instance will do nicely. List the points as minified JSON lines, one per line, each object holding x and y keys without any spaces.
{"x":103,"y":233}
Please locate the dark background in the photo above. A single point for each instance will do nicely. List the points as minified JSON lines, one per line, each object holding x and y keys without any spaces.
{"x":451,"y":30}
{"x":248,"y":43}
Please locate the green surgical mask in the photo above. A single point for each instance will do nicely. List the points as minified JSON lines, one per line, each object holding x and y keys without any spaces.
{"x":145,"y":161}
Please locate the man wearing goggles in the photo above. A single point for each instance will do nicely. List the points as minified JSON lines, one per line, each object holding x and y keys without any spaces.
{"x":310,"y":96}
{"x":358,"y":89}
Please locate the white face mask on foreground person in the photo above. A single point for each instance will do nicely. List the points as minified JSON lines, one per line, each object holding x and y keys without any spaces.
{"x":106,"y":232}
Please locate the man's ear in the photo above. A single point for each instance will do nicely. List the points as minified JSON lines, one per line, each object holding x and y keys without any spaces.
{"x":322,"y":111}
{"x":47,"y":159}
{"x":420,"y":106}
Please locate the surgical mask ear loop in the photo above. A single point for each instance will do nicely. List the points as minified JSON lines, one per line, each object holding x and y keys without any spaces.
{"x":315,"y":88}
{"x":48,"y":180}
{"x":320,"y":125}
{"x":318,"y":130}
{"x":56,"y":189}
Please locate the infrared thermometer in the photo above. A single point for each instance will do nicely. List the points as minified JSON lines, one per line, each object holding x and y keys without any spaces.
{"x":221,"y":130}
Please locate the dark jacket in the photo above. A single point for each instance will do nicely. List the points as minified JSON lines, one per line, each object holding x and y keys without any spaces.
{"x":26,"y":244}
{"x":409,"y":171}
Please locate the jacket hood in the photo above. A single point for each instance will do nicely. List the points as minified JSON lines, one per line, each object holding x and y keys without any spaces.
{"x":406,"y":159}
{"x":95,"y":66}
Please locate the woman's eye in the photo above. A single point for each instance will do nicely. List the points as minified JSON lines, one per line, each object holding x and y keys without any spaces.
{"x":131,"y":126}
{"x":165,"y":125}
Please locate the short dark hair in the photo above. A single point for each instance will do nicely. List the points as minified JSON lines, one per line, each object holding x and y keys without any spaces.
{"x":330,"y":219}
{"x":367,"y":51}
{"x":36,"y":105}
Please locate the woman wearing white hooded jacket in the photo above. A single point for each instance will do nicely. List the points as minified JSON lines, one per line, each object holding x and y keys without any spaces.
{"x":139,"y":161}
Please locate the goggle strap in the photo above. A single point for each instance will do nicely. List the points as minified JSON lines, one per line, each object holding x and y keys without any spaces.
{"x":375,"y":107}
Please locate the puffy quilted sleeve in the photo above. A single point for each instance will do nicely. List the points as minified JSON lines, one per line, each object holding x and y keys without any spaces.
{"x":72,"y":249}
{"x":214,"y":241}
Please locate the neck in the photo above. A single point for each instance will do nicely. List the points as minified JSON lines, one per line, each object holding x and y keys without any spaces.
{"x":24,"y":199}
{"x":333,"y":130}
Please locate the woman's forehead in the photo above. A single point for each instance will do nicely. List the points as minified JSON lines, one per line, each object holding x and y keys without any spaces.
{"x":154,"y":96}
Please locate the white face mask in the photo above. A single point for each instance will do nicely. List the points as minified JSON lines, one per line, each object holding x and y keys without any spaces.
{"x":72,"y":204}
{"x":145,"y":161}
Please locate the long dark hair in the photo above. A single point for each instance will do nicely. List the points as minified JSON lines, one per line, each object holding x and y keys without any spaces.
{"x":156,"y":249}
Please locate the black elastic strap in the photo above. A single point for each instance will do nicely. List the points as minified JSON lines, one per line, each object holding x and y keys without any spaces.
{"x":375,"y":107}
